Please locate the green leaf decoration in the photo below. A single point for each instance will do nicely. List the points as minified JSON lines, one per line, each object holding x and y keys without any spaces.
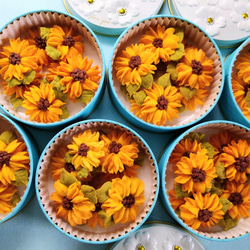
{"x":67,"y":178}
{"x":147,"y":81}
{"x":103,"y":192}
{"x":171,"y":69}
{"x":226,"y":204}
{"x":195,"y":136}
{"x":188,"y":93}
{"x":215,"y":190}
{"x":89,"y":192}
{"x":44,"y":33}
{"x":29,"y":77}
{"x":132,"y":88}
{"x":86,"y":96}
{"x":82,"y":173}
{"x":13,"y":82}
{"x":139,"y":97}
{"x":68,"y":157}
{"x":181,"y":109}
{"x":179,"y":53}
{"x":164,"y":80}
{"x":247,"y":98}
{"x":53,"y":52}
{"x":228,"y":222}
{"x":45,"y":81}
{"x":140,"y":159}
{"x":123,"y":89}
{"x":16,"y":102}
{"x":8,"y":136}
{"x":15,"y":199}
{"x":56,"y":83}
{"x":108,"y":220}
{"x":65,"y":113}
{"x":220,"y":170}
{"x":22,"y":177}
{"x":209,"y":148}
{"x":180,"y":33}
{"x":179,"y":192}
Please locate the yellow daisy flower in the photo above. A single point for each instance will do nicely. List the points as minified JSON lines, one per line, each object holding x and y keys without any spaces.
{"x":119,"y":152}
{"x":204,"y":211}
{"x":87,"y":150}
{"x":195,"y":173}
{"x":134,"y":62}
{"x":6,"y":194}
{"x":125,"y":197}
{"x":96,"y":219}
{"x":236,"y":160}
{"x":17,"y":59}
{"x":71,"y":204}
{"x":239,"y":195}
{"x":161,"y":104}
{"x":161,"y":41}
{"x":195,"y":69}
{"x":243,"y":65}
{"x":41,"y":104}
{"x":13,"y":156}
{"x":175,"y":202}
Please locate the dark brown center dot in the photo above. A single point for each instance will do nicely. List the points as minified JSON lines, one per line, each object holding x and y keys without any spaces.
{"x":40,"y":43}
{"x":204,"y":215}
{"x":242,"y":163}
{"x":198,"y":175}
{"x":4,"y":158}
{"x":98,"y":207}
{"x":158,"y":43}
{"x":69,"y":167}
{"x":83,"y":149}
{"x":162,"y":103}
{"x":67,"y":204}
{"x":128,"y":201}
{"x":114,"y":147}
{"x":79,"y":75}
{"x":68,"y":41}
{"x":134,"y":62}
{"x":14,"y":58}
{"x":196,"y":67}
{"x":43,"y":104}
{"x":235,"y":198}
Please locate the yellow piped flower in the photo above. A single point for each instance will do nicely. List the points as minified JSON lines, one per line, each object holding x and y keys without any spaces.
{"x":125,"y":197}
{"x":6,"y":194}
{"x":41,"y":104}
{"x":243,"y":65}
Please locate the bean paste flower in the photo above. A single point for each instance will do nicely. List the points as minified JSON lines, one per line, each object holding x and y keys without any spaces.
{"x":6,"y":194}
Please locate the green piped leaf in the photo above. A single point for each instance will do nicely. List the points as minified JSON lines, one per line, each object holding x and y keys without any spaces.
{"x":103,"y":192}
{"x":29,"y":77}
{"x":108,"y":220}
{"x":16,"y":102}
{"x":68,"y":157}
{"x":171,"y":69}
{"x":89,"y":192}
{"x":195,"y":136}
{"x":164,"y":80}
{"x":209,"y":148}
{"x":226,"y":204}
{"x":56,"y":83}
{"x":13,"y":82}
{"x":132,"y":88}
{"x":179,"y":192}
{"x":215,"y":190}
{"x":65,"y":113}
{"x":67,"y":178}
{"x":228,"y":222}
{"x":139,"y":97}
{"x":82,"y":173}
{"x":179,"y":53}
{"x":53,"y":52}
{"x":180,"y":33}
{"x":188,"y":93}
{"x":22,"y":177}
{"x":8,"y":136}
{"x":86,"y":96}
{"x":220,"y":170}
{"x":181,"y":109}
{"x":44,"y":33}
{"x":15,"y":199}
{"x":147,"y":81}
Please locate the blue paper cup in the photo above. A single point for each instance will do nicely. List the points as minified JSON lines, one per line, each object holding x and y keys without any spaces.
{"x":167,"y":175}
{"x":228,"y":103}
{"x":25,"y":192}
{"x":19,"y":28}
{"x":44,"y":184}
{"x":194,"y":35}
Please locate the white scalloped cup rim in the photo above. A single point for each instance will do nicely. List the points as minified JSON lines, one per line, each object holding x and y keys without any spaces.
{"x":201,"y":39}
{"x":167,"y":176}
{"x":25,"y":192}
{"x":19,"y":27}
{"x":44,"y":185}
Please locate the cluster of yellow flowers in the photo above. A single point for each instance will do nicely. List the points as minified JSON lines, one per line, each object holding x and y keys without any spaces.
{"x":163,"y":75}
{"x":240,"y":83}
{"x":211,"y":186}
{"x":96,"y":179}
{"x":14,"y":170}
{"x":44,"y":70}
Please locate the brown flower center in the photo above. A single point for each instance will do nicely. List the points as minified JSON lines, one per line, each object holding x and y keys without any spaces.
{"x":158,"y":43}
{"x":79,"y":75}
{"x":198,"y":175}
{"x":242,"y":163}
{"x":114,"y":147}
{"x":43,"y":104}
{"x":187,"y":153}
{"x":68,"y":41}
{"x":134,"y":62}
{"x":128,"y":201}
{"x":83,"y":149}
{"x":14,"y":58}
{"x":98,"y":207}
{"x":162,"y":103}
{"x":196,"y":67}
{"x":235,"y":198}
{"x":69,"y":167}
{"x":161,"y":66}
{"x":4,"y":158}
{"x":67,"y":204}
{"x":204,"y":215}
{"x":40,"y":43}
